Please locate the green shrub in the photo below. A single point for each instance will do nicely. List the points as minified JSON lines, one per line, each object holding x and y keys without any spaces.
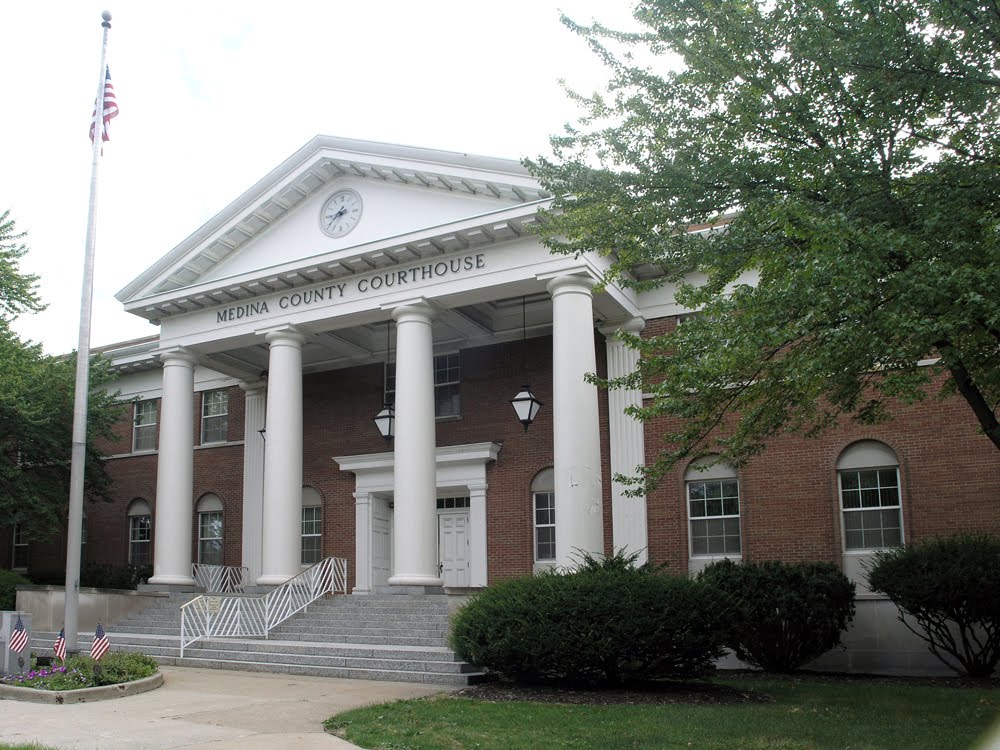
{"x":9,"y":581}
{"x":605,"y":623}
{"x":951,"y":589}
{"x":786,"y":614}
{"x":105,"y":576}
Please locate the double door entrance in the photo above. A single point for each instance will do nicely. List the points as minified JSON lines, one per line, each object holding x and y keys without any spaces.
{"x":453,"y":542}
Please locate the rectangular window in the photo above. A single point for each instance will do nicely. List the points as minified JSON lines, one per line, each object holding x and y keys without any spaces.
{"x":312,"y":535}
{"x":215,"y":416}
{"x":20,"y":557}
{"x":140,"y":537}
{"x":714,"y":513}
{"x":210,"y":538}
{"x":545,"y":526}
{"x":447,"y":395}
{"x":870,"y":502}
{"x":144,"y":427}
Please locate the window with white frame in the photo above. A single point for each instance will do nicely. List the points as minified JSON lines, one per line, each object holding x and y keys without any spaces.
{"x":210,"y":530}
{"x":447,"y":377}
{"x":713,"y":502}
{"x":543,"y":500}
{"x":312,"y":526}
{"x":868,"y":480}
{"x":140,"y":532}
{"x":144,"y":426}
{"x":19,"y":559}
{"x":215,"y":416}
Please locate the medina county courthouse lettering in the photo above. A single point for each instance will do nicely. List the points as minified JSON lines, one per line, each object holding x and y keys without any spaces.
{"x":359,"y":279}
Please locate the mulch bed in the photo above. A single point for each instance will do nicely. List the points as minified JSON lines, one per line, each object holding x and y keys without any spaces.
{"x":667,"y":692}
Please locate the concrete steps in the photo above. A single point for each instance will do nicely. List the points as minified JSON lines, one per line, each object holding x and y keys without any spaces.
{"x":377,"y":637}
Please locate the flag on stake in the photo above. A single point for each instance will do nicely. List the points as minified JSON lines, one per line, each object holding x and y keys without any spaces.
{"x":60,"y":647}
{"x":110,"y":108}
{"x":18,"y":637}
{"x":101,"y":644}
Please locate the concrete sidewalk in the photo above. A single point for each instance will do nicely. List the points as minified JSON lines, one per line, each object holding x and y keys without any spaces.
{"x":205,"y":708}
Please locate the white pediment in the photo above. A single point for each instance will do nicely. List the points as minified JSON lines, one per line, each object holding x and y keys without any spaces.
{"x":416,"y":202}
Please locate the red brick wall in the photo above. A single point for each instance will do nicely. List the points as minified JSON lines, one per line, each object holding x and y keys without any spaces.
{"x":950,"y":473}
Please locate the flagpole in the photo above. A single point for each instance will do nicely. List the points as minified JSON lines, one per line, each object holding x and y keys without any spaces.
{"x":79,"y":455}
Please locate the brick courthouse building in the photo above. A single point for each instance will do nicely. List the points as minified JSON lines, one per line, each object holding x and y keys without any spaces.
{"x":357,"y":274}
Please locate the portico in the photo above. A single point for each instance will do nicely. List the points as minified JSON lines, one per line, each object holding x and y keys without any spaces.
{"x":442,"y":260}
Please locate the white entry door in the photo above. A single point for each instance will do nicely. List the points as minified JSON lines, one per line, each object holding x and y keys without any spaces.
{"x":453,"y":548}
{"x":381,"y":543}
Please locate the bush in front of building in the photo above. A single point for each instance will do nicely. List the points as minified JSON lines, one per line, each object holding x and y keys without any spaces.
{"x":9,"y":581}
{"x":786,"y":614}
{"x":948,"y":594}
{"x":605,"y":623}
{"x":106,"y":576}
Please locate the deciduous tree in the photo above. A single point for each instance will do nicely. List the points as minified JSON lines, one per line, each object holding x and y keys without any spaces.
{"x":843,"y":160}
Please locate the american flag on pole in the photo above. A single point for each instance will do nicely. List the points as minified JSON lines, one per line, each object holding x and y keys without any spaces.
{"x":60,"y":646}
{"x":101,"y":644}
{"x":18,"y":637}
{"x":110,"y":108}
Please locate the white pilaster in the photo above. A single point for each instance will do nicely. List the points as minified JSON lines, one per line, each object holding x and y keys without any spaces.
{"x":362,"y":543}
{"x":414,"y":482}
{"x":576,"y":428}
{"x":174,"y":471}
{"x":282,"y":538}
{"x":478,"y":571}
{"x":628,"y":514}
{"x":253,"y":476}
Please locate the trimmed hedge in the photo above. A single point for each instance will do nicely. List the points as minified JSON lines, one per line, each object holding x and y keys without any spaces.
{"x":105,"y":576}
{"x":605,"y":623}
{"x":9,"y":581}
{"x":951,"y":588}
{"x":786,"y":614}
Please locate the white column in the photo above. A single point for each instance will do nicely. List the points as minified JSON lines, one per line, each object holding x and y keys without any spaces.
{"x":362,"y":543}
{"x":282,"y":539}
{"x":576,"y":428}
{"x":628,"y":514}
{"x":174,"y":471}
{"x":253,"y":476}
{"x":478,"y":572}
{"x":414,"y":538}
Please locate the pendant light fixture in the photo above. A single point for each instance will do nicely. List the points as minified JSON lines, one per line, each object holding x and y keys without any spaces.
{"x":385,"y":420}
{"x":526,"y":406}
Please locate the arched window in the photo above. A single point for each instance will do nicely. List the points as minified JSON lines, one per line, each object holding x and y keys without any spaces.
{"x":210,"y":530}
{"x":312,"y":526}
{"x":868,"y":478}
{"x":140,"y":532}
{"x":544,"y":506}
{"x":713,"y":501}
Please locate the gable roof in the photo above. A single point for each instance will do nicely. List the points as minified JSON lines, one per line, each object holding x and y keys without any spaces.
{"x":176,"y":283}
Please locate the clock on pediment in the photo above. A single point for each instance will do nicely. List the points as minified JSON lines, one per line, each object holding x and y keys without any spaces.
{"x":341,"y":213}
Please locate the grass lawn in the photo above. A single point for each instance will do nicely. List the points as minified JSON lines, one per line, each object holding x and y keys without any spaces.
{"x":807,"y":714}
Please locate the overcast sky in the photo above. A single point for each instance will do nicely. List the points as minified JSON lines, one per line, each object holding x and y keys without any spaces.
{"x":213,"y":95}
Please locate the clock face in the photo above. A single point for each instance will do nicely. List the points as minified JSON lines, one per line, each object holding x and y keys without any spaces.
{"x":341,"y":213}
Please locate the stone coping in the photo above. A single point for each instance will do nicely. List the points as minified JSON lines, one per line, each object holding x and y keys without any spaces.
{"x":83,"y":695}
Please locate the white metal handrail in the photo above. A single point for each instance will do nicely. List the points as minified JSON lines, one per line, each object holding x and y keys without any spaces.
{"x":220,"y":579}
{"x":244,"y":615}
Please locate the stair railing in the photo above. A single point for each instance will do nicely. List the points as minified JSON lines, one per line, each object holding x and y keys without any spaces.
{"x":245,"y":615}
{"x":220,"y":579}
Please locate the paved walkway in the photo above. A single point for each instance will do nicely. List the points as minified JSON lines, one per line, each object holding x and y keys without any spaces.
{"x":205,"y":708}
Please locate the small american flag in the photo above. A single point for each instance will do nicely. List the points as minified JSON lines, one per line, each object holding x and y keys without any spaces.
{"x":18,"y":637}
{"x":110,"y":108}
{"x":60,"y":647}
{"x":101,"y":644}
